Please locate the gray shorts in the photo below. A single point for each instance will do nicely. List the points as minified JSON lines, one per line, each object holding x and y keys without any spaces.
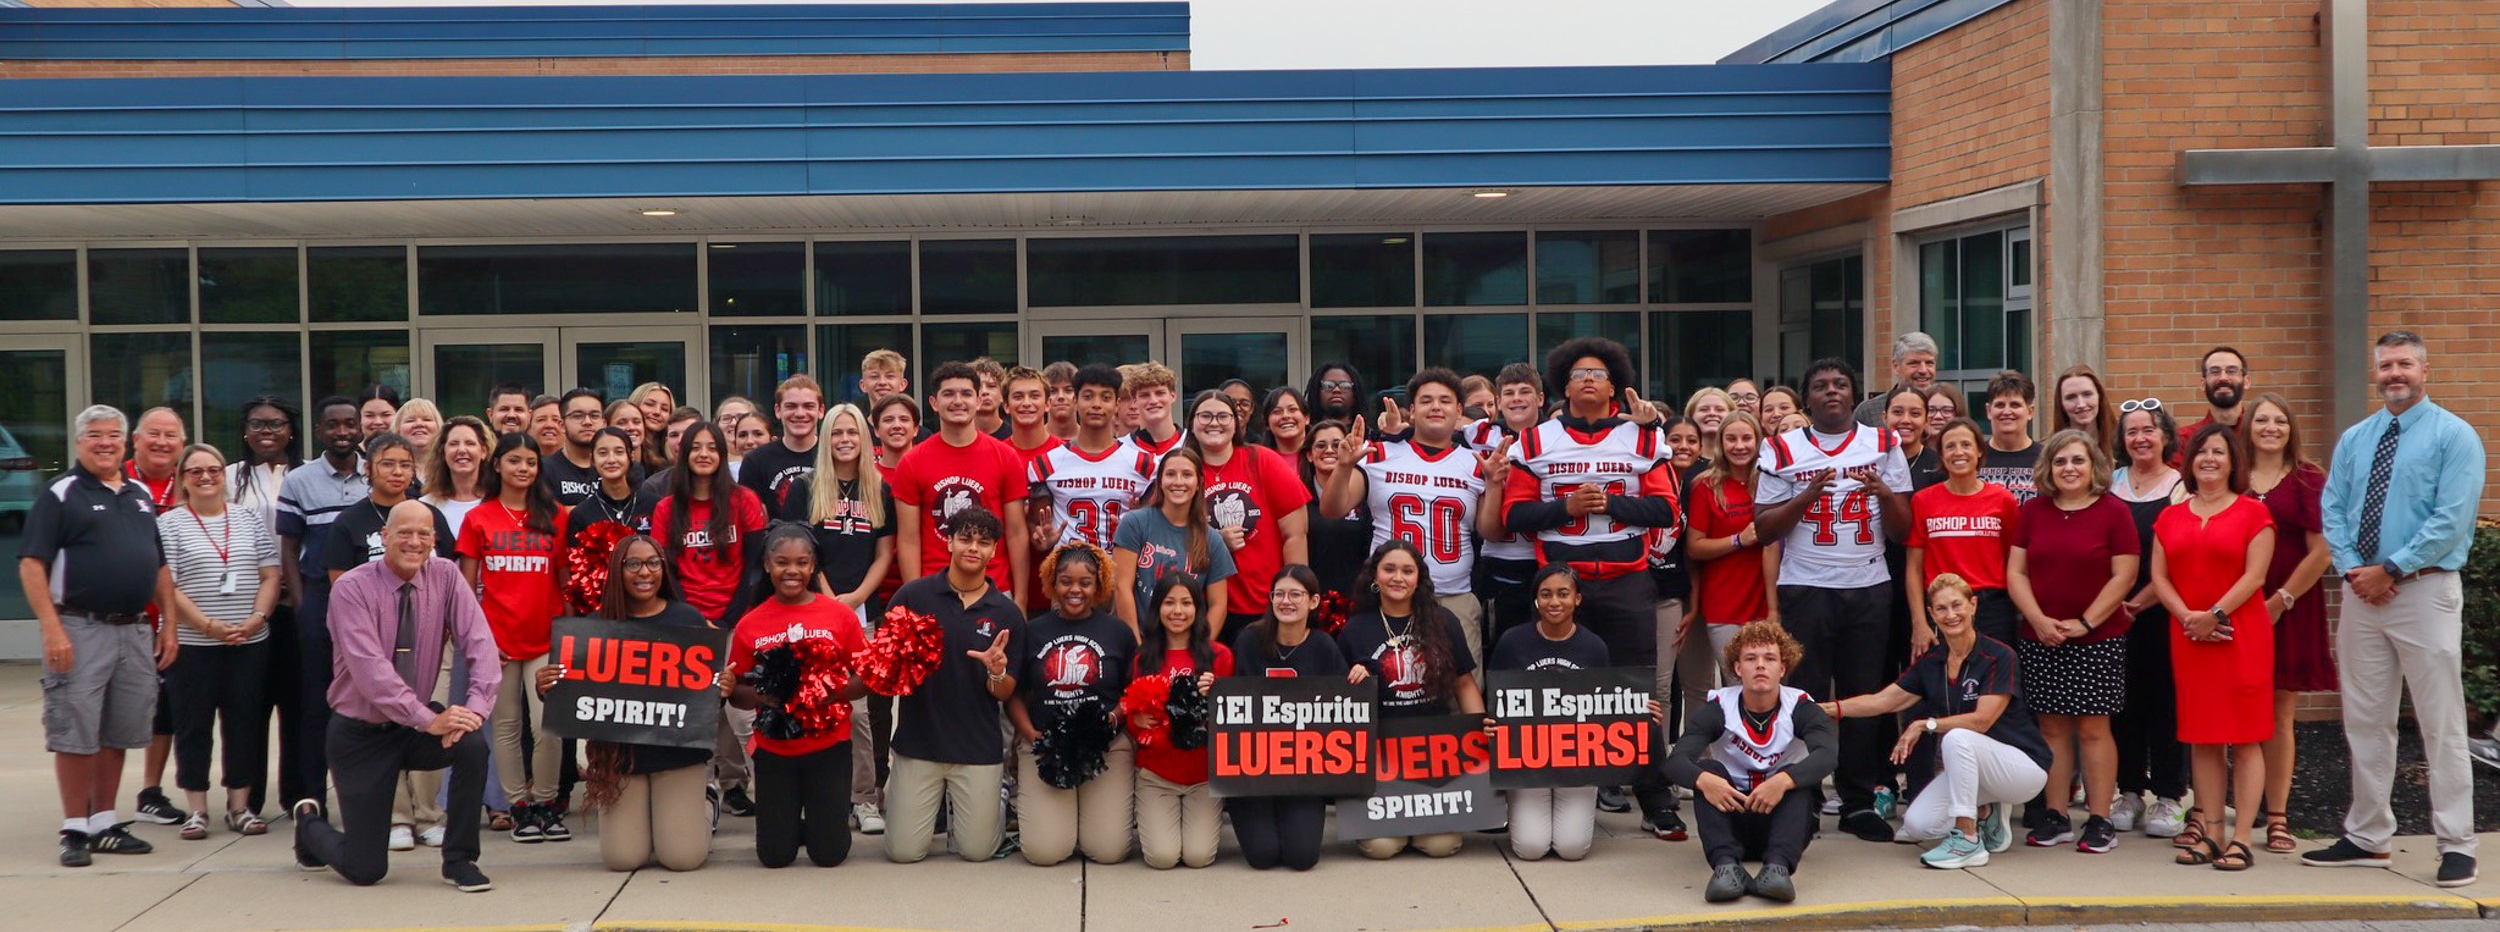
{"x":108,"y":698}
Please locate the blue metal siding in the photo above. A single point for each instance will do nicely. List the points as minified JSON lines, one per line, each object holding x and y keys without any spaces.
{"x":1860,"y":31}
{"x":293,"y":139}
{"x":542,"y":32}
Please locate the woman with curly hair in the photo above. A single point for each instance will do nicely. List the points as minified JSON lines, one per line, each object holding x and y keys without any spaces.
{"x":1077,"y":658}
{"x":1414,"y":647}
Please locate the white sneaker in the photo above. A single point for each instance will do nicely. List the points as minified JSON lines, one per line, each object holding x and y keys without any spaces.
{"x":431,"y":838}
{"x":2166,"y":819}
{"x":403,"y":839}
{"x":2124,"y":810}
{"x":867,"y":818}
{"x":1831,"y":804}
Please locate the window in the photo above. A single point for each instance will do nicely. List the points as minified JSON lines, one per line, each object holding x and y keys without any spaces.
{"x":758,"y":279}
{"x":345,"y":362}
{"x":840,"y":347}
{"x":138,"y":371}
{"x":963,"y":342}
{"x":138,"y":286}
{"x":237,"y":367}
{"x":358,"y":284}
{"x":1700,"y":266}
{"x":1974,"y":297}
{"x":1462,"y":269}
{"x":752,"y":361}
{"x":1620,"y":326}
{"x":968,"y":276}
{"x":249,"y":286}
{"x":861,"y":279}
{"x":1382,"y":347}
{"x":1691,"y":349}
{"x":38,"y":284}
{"x":1363,"y":270}
{"x":1822,"y":314}
{"x":1588,"y":268}
{"x":613,"y":278}
{"x":1475,"y":344}
{"x":1133,"y":271}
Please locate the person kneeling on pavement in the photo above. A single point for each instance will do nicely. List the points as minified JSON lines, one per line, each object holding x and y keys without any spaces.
{"x":1747,"y":753}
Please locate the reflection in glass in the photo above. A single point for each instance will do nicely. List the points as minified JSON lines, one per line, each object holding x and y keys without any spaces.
{"x":346,"y":362}
{"x":758,"y":279}
{"x":1110,"y":349}
{"x":1363,"y":270}
{"x":1151,"y":270}
{"x":465,"y":372}
{"x":139,"y":286}
{"x":964,"y":342}
{"x":1207,"y":359}
{"x":138,"y":371}
{"x":1476,"y":344}
{"x":968,"y":276}
{"x":1475,"y":268}
{"x":613,"y":368}
{"x":34,"y":445}
{"x":1694,"y":266}
{"x":249,"y":286}
{"x":556,"y":278}
{"x":1691,"y":349}
{"x":357,"y":283}
{"x":859,"y":279}
{"x":752,"y":360}
{"x":1381,"y":346}
{"x":38,"y":284}
{"x":1602,"y":267}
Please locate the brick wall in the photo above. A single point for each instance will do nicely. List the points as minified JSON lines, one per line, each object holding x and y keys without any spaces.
{"x":720,"y":64}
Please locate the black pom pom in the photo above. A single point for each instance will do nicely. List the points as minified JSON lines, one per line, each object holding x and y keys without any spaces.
{"x":1070,"y":751}
{"x":1188,"y":712}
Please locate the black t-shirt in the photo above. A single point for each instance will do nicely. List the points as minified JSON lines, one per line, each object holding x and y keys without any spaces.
{"x":1990,"y":670}
{"x":951,"y":718}
{"x":1365,"y":638}
{"x":846,"y":543}
{"x":1317,"y":655}
{"x":567,"y":482}
{"x":1526,"y":648}
{"x":1926,"y":469}
{"x":100,"y":544}
{"x":2011,"y":469}
{"x":633,"y":511}
{"x":1339,"y":546}
{"x":650,"y":758}
{"x":769,"y":470}
{"x":356,"y":537}
{"x":1067,"y":659}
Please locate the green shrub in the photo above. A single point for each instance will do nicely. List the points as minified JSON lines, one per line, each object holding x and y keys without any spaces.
{"x":2482,"y":622}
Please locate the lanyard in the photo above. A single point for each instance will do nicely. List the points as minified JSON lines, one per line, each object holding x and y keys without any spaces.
{"x":225,"y":535}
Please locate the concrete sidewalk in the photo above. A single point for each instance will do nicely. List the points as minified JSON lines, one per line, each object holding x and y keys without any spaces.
{"x":1630,"y":881}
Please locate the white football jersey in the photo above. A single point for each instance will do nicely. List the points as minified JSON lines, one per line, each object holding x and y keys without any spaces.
{"x":1090,"y":493}
{"x":1485,"y":436}
{"x":1430,"y":501}
{"x":1839,"y":543}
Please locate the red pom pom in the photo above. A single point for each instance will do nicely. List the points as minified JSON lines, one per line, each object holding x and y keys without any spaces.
{"x":586,"y":565}
{"x":819,"y":706}
{"x":908,"y":647}
{"x":1331,"y":614}
{"x":1146,"y":696}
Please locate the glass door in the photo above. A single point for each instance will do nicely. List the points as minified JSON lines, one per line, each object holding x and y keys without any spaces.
{"x":615,"y":359}
{"x":1264,"y":351}
{"x":1085,"y":342}
{"x":461,"y":366}
{"x":34,"y":436}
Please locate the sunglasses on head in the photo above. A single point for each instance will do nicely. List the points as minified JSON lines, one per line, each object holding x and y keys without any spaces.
{"x":2140,"y":404}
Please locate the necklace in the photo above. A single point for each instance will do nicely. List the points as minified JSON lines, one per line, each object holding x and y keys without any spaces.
{"x":1758,"y":723}
{"x":612,"y":514}
{"x":1284,"y":651}
{"x":1397,"y":636}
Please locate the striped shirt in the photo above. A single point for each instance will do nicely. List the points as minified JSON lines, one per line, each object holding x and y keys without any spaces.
{"x":207,"y":550}
{"x":312,"y":497}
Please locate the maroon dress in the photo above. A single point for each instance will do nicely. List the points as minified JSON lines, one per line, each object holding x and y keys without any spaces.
{"x":2303,"y":661}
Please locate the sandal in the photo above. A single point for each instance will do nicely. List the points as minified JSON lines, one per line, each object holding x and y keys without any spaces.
{"x":2206,"y":852}
{"x":2192,"y":834}
{"x":2237,"y":857}
{"x":498,"y":821}
{"x":2279,"y":837}
{"x":195,"y":827}
{"x":244,"y":822}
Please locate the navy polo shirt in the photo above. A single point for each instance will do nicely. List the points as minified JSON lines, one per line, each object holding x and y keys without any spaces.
{"x":100,"y":545}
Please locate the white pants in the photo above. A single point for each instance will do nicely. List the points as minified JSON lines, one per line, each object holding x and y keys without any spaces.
{"x":2412,"y":642}
{"x":1978,"y":770}
{"x":1563,"y":821}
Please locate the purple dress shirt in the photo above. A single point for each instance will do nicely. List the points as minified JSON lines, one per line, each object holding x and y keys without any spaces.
{"x":364,"y":627}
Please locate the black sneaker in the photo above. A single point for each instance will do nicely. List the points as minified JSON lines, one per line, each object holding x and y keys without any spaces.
{"x":465,"y":876}
{"x":306,"y":811}
{"x":2050,"y":830}
{"x":551,"y":825}
{"x":1667,"y":826}
{"x":1610,"y":799}
{"x":525,"y":824}
{"x":2456,"y":869}
{"x":1774,"y":884}
{"x":118,"y":840}
{"x":74,"y":849}
{"x":1868,"y":826}
{"x":2343,"y":853}
{"x":735,"y":800}
{"x":2099,"y":836}
{"x":154,"y":807}
{"x":1727,"y":882}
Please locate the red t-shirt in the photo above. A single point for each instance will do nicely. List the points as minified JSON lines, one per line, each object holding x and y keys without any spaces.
{"x":773,"y":624}
{"x":1151,"y":445}
{"x":1732,"y":590}
{"x":1049,"y":443}
{"x":2069,"y":553}
{"x":940,"y":479}
{"x":1186,"y":768}
{"x":1966,"y":534}
{"x":517,"y":568}
{"x":708,"y":570}
{"x":1255,"y":489}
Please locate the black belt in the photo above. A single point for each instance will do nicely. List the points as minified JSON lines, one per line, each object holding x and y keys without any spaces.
{"x":110,"y":618}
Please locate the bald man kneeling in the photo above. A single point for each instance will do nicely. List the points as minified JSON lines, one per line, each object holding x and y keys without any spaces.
{"x":388,"y":620}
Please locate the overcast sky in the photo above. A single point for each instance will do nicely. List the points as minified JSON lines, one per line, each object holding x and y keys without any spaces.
{"x":1238,"y":34}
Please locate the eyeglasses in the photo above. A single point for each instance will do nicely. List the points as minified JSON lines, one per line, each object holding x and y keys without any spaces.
{"x":202,"y":472}
{"x":1578,"y":374}
{"x":646,"y":563}
{"x":1347,"y":384}
{"x":1215,"y":417}
{"x":2140,"y":404}
{"x":264,"y":426}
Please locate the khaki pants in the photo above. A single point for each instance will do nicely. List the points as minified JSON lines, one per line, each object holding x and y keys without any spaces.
{"x":1094,"y":817}
{"x":2414,"y":641}
{"x":516,"y":701}
{"x":659,"y":816}
{"x":1440,"y":845}
{"x":1177,"y":824}
{"x":1694,"y":666}
{"x":914,"y":790}
{"x":863,"y":758}
{"x":731,"y":767}
{"x":1470,"y":612}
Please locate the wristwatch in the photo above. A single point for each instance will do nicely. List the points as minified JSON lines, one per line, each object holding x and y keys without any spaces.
{"x":2393,"y":574}
{"x":1931,"y":725}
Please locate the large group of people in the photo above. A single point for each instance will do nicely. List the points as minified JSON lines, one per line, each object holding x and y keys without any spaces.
{"x":1889,"y":605}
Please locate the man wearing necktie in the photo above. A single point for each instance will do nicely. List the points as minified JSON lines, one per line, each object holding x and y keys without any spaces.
{"x":2399,"y":505}
{"x":388,"y":620}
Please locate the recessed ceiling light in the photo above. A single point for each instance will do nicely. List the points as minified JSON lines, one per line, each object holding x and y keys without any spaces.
{"x":658,"y":211}
{"x":724,"y":245}
{"x":1488,"y":194}
{"x":1393,"y":241}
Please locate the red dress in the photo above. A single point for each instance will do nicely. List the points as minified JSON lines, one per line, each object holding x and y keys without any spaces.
{"x":2302,"y":659}
{"x":2226,"y":688}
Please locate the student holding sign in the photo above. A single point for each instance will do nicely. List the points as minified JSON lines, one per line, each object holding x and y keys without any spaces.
{"x":1074,"y":651}
{"x":1415,"y":648}
{"x":1178,"y":821}
{"x":649,"y":797}
{"x":508,"y":552}
{"x":1286,"y":830}
{"x":1562,"y":820}
{"x":802,"y":784}
{"x":1746,"y":751}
